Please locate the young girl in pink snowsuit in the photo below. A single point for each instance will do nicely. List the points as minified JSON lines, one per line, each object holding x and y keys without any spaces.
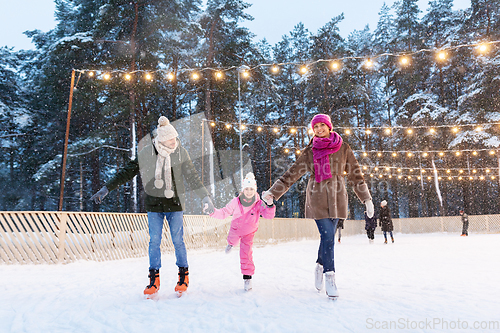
{"x":246,"y":210}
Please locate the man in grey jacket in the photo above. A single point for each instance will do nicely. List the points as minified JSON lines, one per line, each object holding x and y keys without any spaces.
{"x":163,"y":165}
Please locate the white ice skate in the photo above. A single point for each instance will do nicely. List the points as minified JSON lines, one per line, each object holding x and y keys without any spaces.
{"x":331,"y":288}
{"x":248,"y":284}
{"x":318,"y":277}
{"x":228,"y":249}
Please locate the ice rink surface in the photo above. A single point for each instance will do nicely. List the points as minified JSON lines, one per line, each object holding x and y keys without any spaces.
{"x":421,"y":283}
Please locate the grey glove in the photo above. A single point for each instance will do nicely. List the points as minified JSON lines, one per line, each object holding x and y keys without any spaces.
{"x":208,"y":206}
{"x":100,"y":195}
{"x":267,"y":197}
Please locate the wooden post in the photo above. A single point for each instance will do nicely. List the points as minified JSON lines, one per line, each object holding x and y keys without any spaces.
{"x":63,"y":221}
{"x":65,"y":154}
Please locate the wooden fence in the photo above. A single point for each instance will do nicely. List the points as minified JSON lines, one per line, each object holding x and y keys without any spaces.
{"x":63,"y":237}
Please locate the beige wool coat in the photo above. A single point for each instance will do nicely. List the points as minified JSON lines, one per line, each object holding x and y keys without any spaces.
{"x":327,"y":199}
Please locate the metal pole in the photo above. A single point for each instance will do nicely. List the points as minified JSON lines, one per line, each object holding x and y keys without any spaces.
{"x":202,"y":153}
{"x":81,"y":186}
{"x":240,"y":130}
{"x":65,"y":154}
{"x":498,"y":158}
{"x":270,"y":163}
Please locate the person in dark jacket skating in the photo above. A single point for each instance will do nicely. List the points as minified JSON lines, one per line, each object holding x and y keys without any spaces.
{"x":163,"y":165}
{"x":465,"y":223}
{"x":340,"y":226}
{"x":385,"y":220}
{"x":370,"y":226}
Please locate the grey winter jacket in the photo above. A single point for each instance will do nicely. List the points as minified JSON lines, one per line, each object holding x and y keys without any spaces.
{"x":145,"y":164}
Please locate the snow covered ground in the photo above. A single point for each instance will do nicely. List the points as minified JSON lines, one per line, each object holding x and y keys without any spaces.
{"x":421,"y":283}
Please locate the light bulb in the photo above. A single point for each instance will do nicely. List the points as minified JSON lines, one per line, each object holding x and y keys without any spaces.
{"x":404,"y":60}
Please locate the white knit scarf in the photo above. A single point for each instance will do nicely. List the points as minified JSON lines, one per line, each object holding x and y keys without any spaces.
{"x":163,"y":162}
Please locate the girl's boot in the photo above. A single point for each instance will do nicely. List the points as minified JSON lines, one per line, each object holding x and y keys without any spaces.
{"x":247,"y":282}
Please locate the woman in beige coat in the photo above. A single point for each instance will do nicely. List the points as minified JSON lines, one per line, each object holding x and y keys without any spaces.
{"x":326,"y":158}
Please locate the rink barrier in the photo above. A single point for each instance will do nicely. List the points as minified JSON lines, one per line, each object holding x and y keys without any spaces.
{"x":64,"y":237}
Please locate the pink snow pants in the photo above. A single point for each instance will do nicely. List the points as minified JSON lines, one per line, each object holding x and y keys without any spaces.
{"x":246,"y":252}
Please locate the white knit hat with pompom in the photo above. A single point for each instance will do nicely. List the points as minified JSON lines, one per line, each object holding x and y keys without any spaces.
{"x":165,"y":130}
{"x":249,"y":181}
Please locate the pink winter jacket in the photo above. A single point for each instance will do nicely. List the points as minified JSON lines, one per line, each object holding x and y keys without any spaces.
{"x":245,"y":219}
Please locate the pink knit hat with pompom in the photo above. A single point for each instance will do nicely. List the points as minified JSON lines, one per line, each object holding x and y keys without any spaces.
{"x":322,"y":118}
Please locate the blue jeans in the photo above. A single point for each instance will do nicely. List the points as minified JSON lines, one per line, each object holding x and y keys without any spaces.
{"x":385,"y":234}
{"x":175,"y":223}
{"x":327,"y":228}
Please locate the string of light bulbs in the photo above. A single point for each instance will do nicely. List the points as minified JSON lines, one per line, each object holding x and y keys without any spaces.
{"x":379,"y":153}
{"x":412,"y":153}
{"x":409,"y":177}
{"x":426,"y":153}
{"x":400,"y":169}
{"x":434,"y":174}
{"x":431,"y":178}
{"x":245,"y":71}
{"x":377,"y":167}
{"x":348,"y":130}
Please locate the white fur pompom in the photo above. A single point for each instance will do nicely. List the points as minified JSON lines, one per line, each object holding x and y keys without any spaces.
{"x":159,"y":183}
{"x":249,"y":181}
{"x":250,"y":176}
{"x":169,"y":193}
{"x":163,"y":121}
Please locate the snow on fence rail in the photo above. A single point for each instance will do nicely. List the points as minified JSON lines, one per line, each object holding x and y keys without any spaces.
{"x":63,"y":237}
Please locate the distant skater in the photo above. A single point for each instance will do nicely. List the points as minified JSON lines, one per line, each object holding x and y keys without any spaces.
{"x":370,"y":226}
{"x":465,"y":223}
{"x":340,"y":226}
{"x":385,"y":220}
